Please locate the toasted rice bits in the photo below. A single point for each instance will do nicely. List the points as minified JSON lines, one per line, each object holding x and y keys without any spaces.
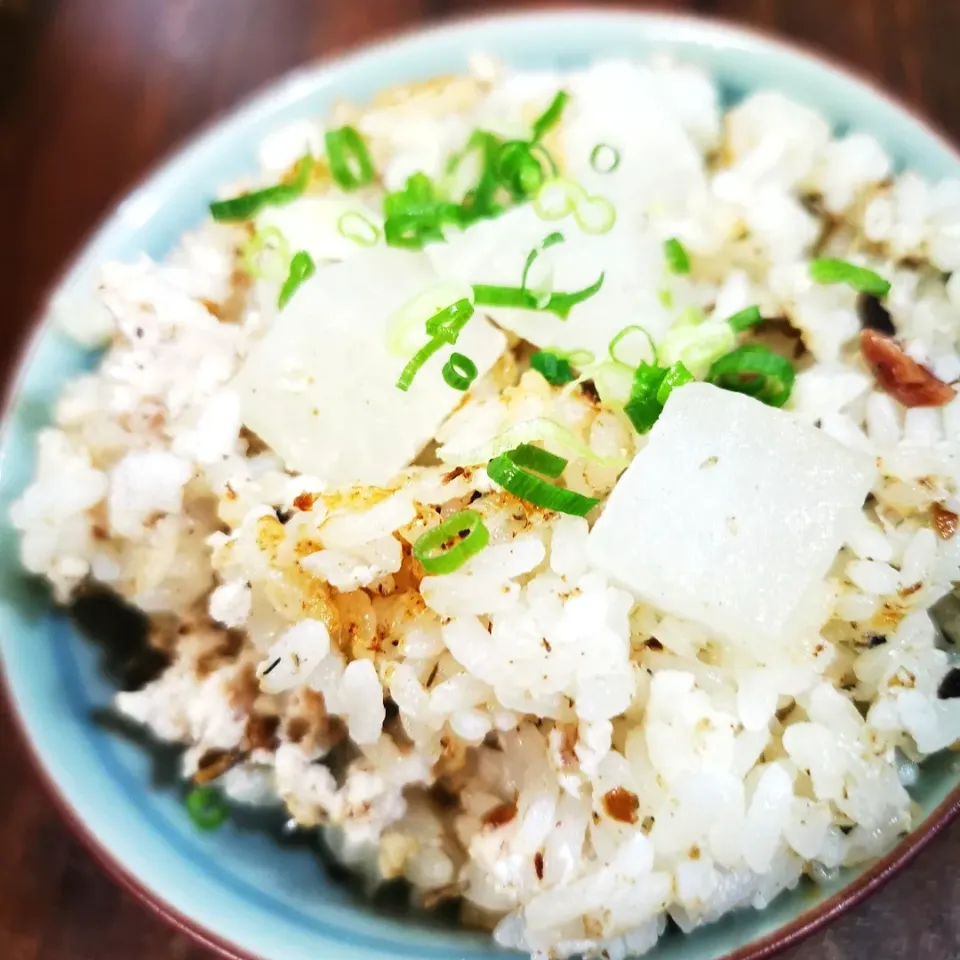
{"x":540,"y":484}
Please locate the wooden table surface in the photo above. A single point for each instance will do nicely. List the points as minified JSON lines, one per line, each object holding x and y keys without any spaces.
{"x":91,"y":93}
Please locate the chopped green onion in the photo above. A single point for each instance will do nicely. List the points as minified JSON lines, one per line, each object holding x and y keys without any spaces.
{"x":745,"y":319}
{"x":595,"y":215}
{"x":604,"y":158}
{"x":448,"y":322}
{"x":508,"y":470}
{"x":557,"y":198}
{"x":541,"y":295}
{"x":481,"y":202}
{"x":579,"y":358}
{"x":622,"y":335}
{"x":206,"y":808}
{"x":349,"y":159}
{"x":555,"y":369}
{"x":404,"y":330}
{"x":827,"y":271}
{"x":643,"y":408}
{"x":666,"y":298}
{"x":266,"y":246}
{"x":417,"y":214}
{"x":613,"y":381}
{"x":539,"y":429}
{"x":559,"y":304}
{"x":417,"y":361}
{"x":678,"y":260}
{"x":359,"y":228}
{"x":551,"y":116}
{"x":519,"y":170}
{"x":302,"y":268}
{"x":696,"y":346}
{"x":450,"y":545}
{"x":459,"y":372}
{"x":755,"y":371}
{"x":247,"y":205}
{"x":676,"y":376}
{"x":443,"y":328}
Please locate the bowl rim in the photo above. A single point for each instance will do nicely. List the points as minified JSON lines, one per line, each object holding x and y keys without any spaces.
{"x":767,"y":945}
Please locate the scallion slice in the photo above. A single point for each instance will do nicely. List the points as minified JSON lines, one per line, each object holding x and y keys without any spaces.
{"x":443,"y":328}
{"x":519,"y":169}
{"x":551,"y":116}
{"x":643,"y":408}
{"x":604,"y":158}
{"x":248,"y":205}
{"x":622,"y":335}
{"x":417,"y":361}
{"x":417,"y":214}
{"x":448,"y":322}
{"x":510,"y":471}
{"x":459,"y":372}
{"x":359,"y":228}
{"x":206,"y":808}
{"x":677,"y":376}
{"x":696,"y":345}
{"x":302,"y":268}
{"x":560,"y":304}
{"x":266,"y":254}
{"x":829,"y":271}
{"x":447,"y":547}
{"x":553,"y":367}
{"x":755,"y":371}
{"x":595,"y":215}
{"x":540,"y":293}
{"x":557,"y":198}
{"x":678,"y":260}
{"x":538,"y":430}
{"x":745,"y":319}
{"x":349,"y":158}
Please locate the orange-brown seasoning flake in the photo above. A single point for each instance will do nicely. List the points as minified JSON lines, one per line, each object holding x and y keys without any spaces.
{"x":621,"y":805}
{"x":944,"y":521}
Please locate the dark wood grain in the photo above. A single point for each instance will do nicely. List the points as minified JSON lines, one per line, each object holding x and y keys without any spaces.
{"x":91,"y":93}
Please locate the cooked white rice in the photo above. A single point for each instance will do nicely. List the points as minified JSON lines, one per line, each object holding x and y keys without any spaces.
{"x":576,"y":763}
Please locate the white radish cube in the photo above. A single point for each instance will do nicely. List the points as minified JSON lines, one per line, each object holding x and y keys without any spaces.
{"x":320,"y":387}
{"x":495,"y":251}
{"x":731,"y":515}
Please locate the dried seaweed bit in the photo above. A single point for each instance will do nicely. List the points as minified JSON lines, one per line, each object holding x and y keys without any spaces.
{"x":874,"y":315}
{"x":538,"y":864}
{"x":949,"y":688}
{"x":876,"y":639}
{"x":273,"y":666}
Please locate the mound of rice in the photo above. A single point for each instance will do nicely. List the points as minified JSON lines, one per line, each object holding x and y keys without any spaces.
{"x":526,"y":734}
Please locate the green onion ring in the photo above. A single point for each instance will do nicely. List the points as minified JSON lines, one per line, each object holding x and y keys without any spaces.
{"x":755,"y":371}
{"x":349,"y":158}
{"x":359,"y":228}
{"x":557,"y":197}
{"x":206,"y":808}
{"x":459,"y":372}
{"x":603,"y":218}
{"x":560,"y":304}
{"x":599,"y":156}
{"x":508,"y":470}
{"x":447,"y":547}
{"x":302,"y":268}
{"x":247,"y":205}
{"x":625,"y":332}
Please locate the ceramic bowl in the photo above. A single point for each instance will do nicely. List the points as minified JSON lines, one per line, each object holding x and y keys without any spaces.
{"x":240,"y":889}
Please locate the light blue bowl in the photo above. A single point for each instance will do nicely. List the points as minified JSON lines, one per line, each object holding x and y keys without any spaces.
{"x":237,"y":889}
